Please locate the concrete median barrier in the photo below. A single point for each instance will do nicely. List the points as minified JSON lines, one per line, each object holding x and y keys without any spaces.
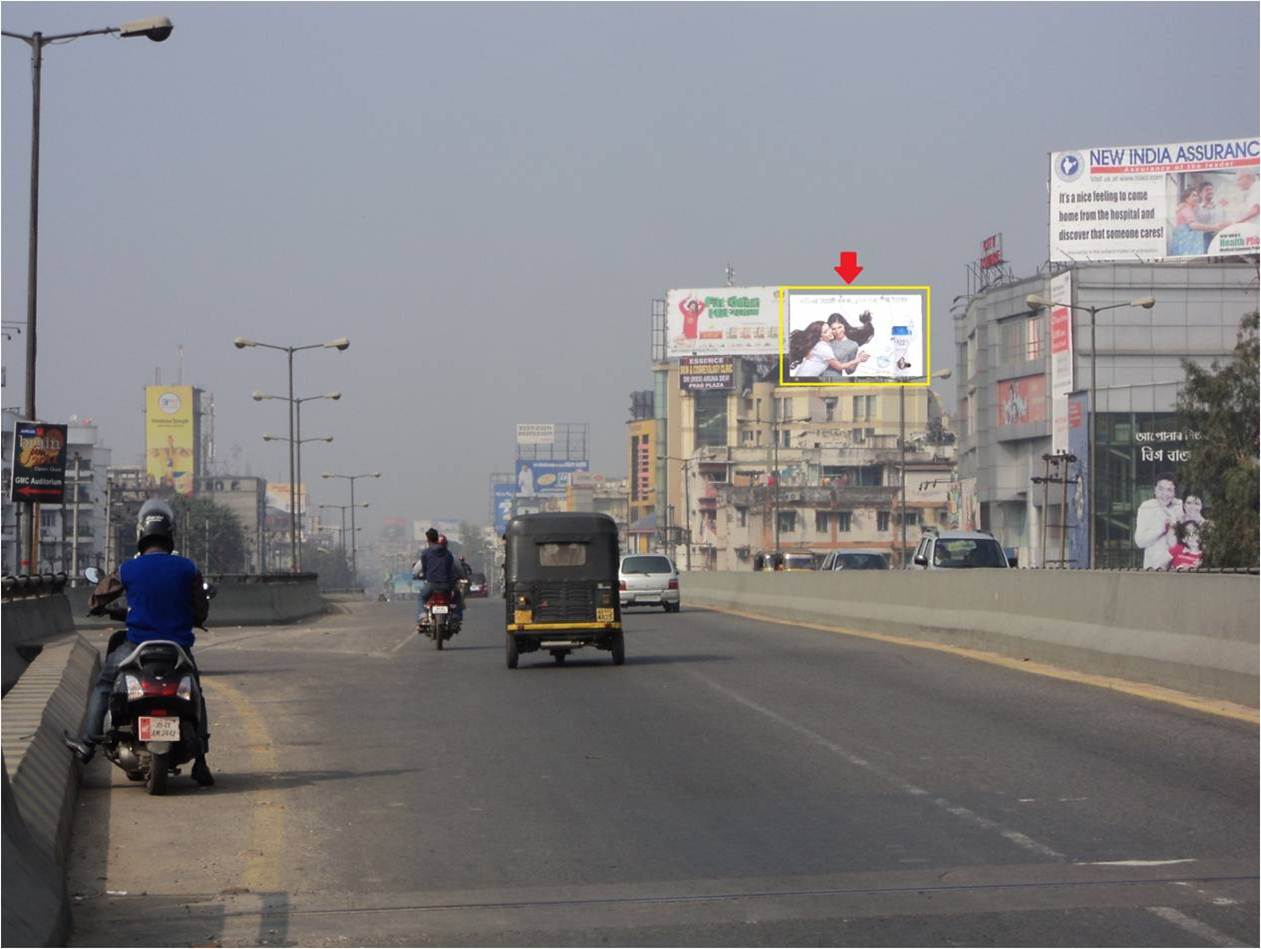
{"x":1196,"y":633}
{"x":41,"y":785}
{"x":241,"y":600}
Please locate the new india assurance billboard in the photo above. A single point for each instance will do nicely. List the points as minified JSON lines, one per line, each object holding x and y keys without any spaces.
{"x":1151,"y":202}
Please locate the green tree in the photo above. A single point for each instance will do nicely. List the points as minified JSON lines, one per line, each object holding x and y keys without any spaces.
{"x":210,"y":534}
{"x":331,"y":564}
{"x":1219,"y":406}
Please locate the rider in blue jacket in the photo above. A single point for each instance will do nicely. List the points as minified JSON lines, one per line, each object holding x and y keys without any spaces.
{"x":166,"y":598}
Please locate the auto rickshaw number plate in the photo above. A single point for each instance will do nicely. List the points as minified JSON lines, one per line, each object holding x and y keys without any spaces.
{"x":604,"y":614}
{"x":158,"y":729}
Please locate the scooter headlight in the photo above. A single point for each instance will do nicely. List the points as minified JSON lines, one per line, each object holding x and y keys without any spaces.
{"x":135,"y":691}
{"x":185,"y":691}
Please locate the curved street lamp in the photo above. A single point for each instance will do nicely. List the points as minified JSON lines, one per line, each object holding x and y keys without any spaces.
{"x":342,"y":343}
{"x":155,"y":28}
{"x":1035,"y":302}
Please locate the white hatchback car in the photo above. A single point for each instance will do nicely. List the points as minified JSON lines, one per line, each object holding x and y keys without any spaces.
{"x":648,"y":580}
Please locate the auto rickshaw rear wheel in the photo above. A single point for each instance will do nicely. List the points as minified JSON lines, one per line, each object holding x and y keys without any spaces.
{"x":619,"y":649}
{"x":559,"y":655}
{"x":512,"y":654}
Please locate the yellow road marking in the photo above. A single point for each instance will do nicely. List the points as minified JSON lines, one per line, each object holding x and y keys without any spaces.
{"x":1141,"y":689}
{"x":266,"y":834}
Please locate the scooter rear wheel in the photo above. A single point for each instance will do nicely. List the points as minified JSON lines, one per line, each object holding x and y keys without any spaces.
{"x":156,"y":782}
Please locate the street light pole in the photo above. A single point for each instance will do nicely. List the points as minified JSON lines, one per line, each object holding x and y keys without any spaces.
{"x":340,"y":344}
{"x":1035,"y":302}
{"x":156,"y":29}
{"x":940,"y":374}
{"x":354,"y":564}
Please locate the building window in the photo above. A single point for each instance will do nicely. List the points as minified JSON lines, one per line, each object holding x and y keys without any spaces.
{"x":821,"y":521}
{"x":742,"y":517}
{"x":871,"y":408}
{"x":746,"y":437}
{"x":860,"y":408}
{"x":1012,"y":340}
{"x":787,"y":522}
{"x":711,"y":418}
{"x":857,"y":436}
{"x":844,"y":520}
{"x":829,"y":410}
{"x":1033,"y":337}
{"x":882,"y":520}
{"x":785,"y":439}
{"x":912,"y":518}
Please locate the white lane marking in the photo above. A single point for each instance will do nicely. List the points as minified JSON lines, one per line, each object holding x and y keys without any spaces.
{"x":1132,"y":863}
{"x":1209,"y":895}
{"x":1015,"y":837}
{"x":1193,"y":926}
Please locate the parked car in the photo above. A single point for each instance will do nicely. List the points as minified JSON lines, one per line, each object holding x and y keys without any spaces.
{"x":952,"y":550}
{"x":648,"y":580}
{"x":477,"y":585}
{"x":857,"y":559}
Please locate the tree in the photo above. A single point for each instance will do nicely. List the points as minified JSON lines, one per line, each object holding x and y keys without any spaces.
{"x":198,"y":519}
{"x":1218,"y":409}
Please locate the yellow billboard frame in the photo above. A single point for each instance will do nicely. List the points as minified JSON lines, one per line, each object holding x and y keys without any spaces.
{"x":928,"y":338}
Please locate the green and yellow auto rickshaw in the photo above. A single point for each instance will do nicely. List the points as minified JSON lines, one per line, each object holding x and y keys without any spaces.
{"x":560,"y":585}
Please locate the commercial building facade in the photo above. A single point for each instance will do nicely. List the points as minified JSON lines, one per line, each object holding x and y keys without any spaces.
{"x":1007,"y":409}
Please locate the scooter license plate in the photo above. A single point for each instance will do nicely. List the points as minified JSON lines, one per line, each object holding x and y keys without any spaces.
{"x":440,"y":610}
{"x":158,"y":729}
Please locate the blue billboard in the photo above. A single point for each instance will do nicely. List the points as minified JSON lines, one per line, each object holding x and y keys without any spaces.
{"x":546,"y":477}
{"x":503,"y":497}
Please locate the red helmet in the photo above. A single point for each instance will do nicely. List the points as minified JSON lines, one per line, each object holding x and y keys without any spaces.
{"x":442,"y":540}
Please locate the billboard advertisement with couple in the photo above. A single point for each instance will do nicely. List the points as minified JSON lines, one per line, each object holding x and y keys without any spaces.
{"x":866,"y":336}
{"x":1151,"y":202}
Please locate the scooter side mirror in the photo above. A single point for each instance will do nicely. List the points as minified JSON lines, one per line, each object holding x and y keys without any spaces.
{"x":92,"y":574}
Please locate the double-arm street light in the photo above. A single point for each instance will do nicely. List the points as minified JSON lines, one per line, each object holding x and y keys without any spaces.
{"x":154,"y":28}
{"x":354,"y":566}
{"x":297,"y":426}
{"x":343,"y":508}
{"x":1035,"y":302}
{"x":939,"y":374}
{"x":295,"y":496}
{"x":341,"y":343}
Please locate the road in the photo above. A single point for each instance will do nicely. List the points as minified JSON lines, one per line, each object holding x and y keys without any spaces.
{"x":735,"y":783}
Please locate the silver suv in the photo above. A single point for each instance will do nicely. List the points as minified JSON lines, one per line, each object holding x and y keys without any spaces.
{"x":950,"y":550}
{"x":648,"y":580}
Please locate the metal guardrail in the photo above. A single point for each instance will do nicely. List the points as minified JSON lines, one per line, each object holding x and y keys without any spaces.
{"x":39,"y":584}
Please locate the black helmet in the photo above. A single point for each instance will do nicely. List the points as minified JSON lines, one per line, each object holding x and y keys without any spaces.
{"x":155,"y":526}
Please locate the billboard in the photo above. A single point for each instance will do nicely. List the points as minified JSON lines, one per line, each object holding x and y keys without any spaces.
{"x":1061,"y":335}
{"x":532,"y":433}
{"x":722,"y":321}
{"x":38,"y":471}
{"x":545,"y":477}
{"x":701,"y":373}
{"x":278,"y":496}
{"x":503,"y":498}
{"x":171,"y":436}
{"x":443,"y":525}
{"x":1150,"y":202}
{"x":1021,"y":401}
{"x":857,"y":336}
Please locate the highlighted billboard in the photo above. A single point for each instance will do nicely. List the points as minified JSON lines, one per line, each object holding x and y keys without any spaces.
{"x":1150,"y":202}
{"x":855,"y":336}
{"x":171,"y":436}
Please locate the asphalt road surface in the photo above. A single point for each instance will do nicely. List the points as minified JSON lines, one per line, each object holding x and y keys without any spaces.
{"x":735,"y":783}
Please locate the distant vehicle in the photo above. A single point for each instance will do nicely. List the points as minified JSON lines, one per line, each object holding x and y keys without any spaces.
{"x":787,"y":560}
{"x":560,"y":585}
{"x":856,"y":559}
{"x":648,"y":580}
{"x":954,"y":550}
{"x":477,"y":585}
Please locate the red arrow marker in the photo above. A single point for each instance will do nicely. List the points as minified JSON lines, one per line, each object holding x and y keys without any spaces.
{"x":848,"y":268}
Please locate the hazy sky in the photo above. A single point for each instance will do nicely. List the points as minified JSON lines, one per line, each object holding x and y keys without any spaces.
{"x":485,"y":198}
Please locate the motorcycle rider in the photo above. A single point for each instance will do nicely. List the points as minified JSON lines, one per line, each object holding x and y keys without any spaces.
{"x":438,"y":571}
{"x":166,"y":598}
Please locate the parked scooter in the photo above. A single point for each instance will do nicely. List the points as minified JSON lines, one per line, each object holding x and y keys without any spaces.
{"x":154,"y":721}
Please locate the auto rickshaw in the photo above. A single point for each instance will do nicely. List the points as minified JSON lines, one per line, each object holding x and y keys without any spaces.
{"x":560,"y":585}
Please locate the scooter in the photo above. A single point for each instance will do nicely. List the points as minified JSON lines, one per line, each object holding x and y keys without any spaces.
{"x":438,"y":621}
{"x":153,"y":724}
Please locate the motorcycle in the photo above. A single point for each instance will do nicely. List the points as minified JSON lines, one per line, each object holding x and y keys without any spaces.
{"x":153,"y":723}
{"x":438,"y":621}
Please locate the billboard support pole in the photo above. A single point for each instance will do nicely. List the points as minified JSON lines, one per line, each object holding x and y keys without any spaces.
{"x":293,"y":490}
